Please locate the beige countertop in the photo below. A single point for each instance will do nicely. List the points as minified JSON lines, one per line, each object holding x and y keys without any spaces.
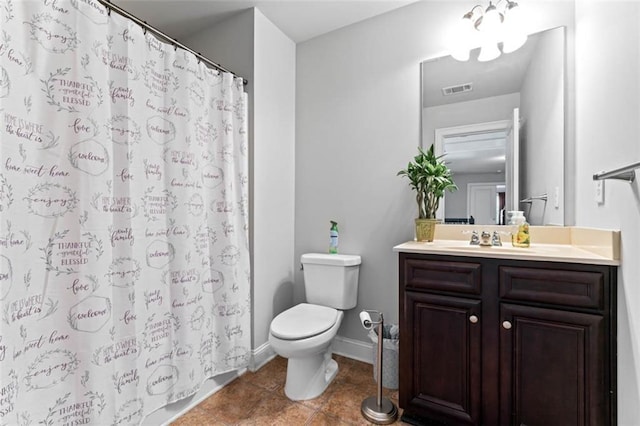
{"x":549,"y":243}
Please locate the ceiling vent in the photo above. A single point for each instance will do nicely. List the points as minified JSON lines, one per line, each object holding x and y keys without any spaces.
{"x":461,"y":88}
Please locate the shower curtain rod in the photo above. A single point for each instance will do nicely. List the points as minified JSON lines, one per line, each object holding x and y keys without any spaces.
{"x":173,"y":41}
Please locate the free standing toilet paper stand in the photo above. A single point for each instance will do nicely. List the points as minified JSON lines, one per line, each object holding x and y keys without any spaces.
{"x":377,"y":409}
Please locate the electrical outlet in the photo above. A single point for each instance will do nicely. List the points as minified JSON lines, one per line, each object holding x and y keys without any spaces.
{"x":556,"y":197}
{"x":599,"y":191}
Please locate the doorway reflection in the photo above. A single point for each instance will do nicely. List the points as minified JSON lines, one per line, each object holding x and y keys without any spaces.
{"x":477,"y":161}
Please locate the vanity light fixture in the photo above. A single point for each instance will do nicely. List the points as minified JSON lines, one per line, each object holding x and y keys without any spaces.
{"x":488,"y":27}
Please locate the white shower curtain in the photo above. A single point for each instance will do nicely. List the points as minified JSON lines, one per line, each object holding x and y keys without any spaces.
{"x":124,"y":262}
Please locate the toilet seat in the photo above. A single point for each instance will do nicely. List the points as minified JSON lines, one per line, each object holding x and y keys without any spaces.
{"x":303,"y":321}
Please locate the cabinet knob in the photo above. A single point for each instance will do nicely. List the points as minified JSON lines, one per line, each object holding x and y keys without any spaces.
{"x":473,"y":319}
{"x":506,"y":325}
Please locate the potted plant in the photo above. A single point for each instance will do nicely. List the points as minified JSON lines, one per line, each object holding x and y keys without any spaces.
{"x":430,"y":177}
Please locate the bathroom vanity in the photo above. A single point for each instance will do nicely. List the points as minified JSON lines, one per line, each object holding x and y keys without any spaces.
{"x":507,"y":336}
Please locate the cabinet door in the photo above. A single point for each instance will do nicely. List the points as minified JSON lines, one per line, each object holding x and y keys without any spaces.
{"x":552,"y":367}
{"x":440,"y":352}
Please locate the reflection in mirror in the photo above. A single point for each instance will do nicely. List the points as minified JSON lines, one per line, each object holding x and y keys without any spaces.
{"x":476,"y":155}
{"x":501,"y":126}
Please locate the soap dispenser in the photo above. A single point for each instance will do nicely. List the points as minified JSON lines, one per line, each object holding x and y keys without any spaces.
{"x":520,"y":230}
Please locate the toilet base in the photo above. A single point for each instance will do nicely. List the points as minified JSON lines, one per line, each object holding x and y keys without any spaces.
{"x":309,"y":376}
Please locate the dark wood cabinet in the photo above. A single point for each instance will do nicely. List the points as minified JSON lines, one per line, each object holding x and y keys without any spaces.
{"x":506,"y":342}
{"x":451,"y":386}
{"x":552,"y":368}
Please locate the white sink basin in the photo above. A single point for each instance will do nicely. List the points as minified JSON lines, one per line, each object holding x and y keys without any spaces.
{"x":507,"y":248}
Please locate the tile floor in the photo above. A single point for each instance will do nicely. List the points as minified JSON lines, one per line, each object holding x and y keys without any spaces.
{"x":258,"y":399}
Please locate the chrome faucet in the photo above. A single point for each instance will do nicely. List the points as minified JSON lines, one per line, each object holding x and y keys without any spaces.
{"x":475,"y":239}
{"x":485,"y":239}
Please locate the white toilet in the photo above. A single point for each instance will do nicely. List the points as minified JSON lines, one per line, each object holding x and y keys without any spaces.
{"x":304,"y":333}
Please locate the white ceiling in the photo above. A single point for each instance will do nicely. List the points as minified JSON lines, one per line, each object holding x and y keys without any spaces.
{"x":300,"y":20}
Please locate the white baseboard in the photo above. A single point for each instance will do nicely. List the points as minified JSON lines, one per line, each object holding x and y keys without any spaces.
{"x":343,"y":346}
{"x":260,"y":356}
{"x":354,"y":349}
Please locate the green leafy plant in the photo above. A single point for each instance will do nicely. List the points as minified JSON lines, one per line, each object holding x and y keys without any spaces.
{"x":430,"y":177}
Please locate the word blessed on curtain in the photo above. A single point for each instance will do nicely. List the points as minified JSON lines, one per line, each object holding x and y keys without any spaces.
{"x":124,"y":262}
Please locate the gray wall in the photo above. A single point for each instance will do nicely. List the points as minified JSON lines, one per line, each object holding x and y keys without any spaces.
{"x":274,"y":171}
{"x":357,"y":123}
{"x":607,"y":129}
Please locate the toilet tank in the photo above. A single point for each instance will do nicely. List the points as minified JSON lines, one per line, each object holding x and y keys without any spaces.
{"x":331,"y":279}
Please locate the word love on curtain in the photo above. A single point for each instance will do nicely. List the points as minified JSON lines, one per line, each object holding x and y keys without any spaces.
{"x":124,"y":263}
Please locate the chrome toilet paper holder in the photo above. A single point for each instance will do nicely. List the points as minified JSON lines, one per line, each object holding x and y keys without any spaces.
{"x":377,"y":409}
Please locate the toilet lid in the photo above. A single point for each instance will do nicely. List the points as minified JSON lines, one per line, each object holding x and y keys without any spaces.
{"x":303,"y":320}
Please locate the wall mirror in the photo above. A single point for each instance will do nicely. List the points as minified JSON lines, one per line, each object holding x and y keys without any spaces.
{"x":501,"y":126}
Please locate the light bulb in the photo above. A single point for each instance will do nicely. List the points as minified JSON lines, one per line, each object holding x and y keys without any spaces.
{"x":491,"y":21}
{"x":514,"y":35}
{"x":462,"y":38}
{"x":513,"y":14}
